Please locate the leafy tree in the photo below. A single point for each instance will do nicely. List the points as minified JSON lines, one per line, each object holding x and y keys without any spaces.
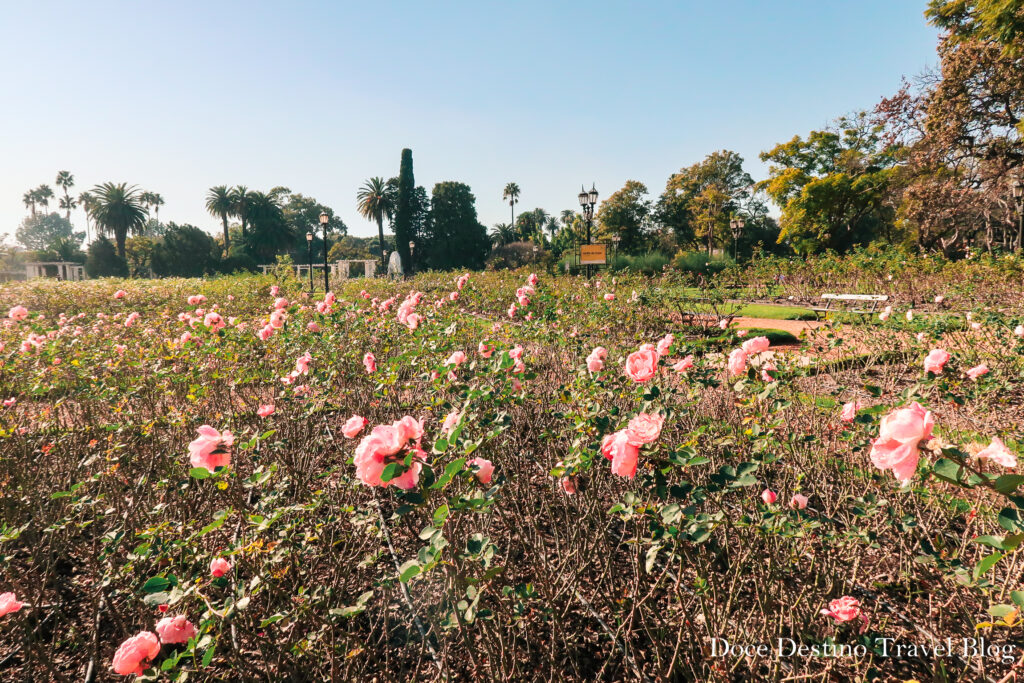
{"x":302,"y":214}
{"x":102,"y":260}
{"x":139,"y":250}
{"x":270,"y":231}
{"x":999,"y":21}
{"x":405,"y":209}
{"x":185,"y":251}
{"x":833,"y":187}
{"x":240,"y":201}
{"x":678,"y":205}
{"x":117,"y":209}
{"x":503,"y":233}
{"x":456,"y":239}
{"x":511,"y":195}
{"x":376,"y":203}
{"x":624,"y":215}
{"x":66,"y":181}
{"x":43,"y":231}
{"x":220,"y":203}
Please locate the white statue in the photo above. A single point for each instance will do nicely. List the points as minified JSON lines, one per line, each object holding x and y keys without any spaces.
{"x":395,"y":264}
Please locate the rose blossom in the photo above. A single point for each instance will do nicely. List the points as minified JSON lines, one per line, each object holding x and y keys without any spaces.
{"x":845,"y":608}
{"x":623,"y":454}
{"x":998,"y":453}
{"x":219,"y":567}
{"x":135,"y":654}
{"x":485,"y":469}
{"x":683,"y":365}
{"x":353,"y":426}
{"x":798,"y":501}
{"x":737,"y":362}
{"x":849,"y":411}
{"x":756,"y":345}
{"x":265,"y":410}
{"x":645,"y":428}
{"x":935,"y":361}
{"x":174,"y":630}
{"x":768,"y":496}
{"x":642,"y":365}
{"x":896,"y":446}
{"x":9,"y":603}
{"x":977,"y":371}
{"x":370,"y":362}
{"x":210,"y":449}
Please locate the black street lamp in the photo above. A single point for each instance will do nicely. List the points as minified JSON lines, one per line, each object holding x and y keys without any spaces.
{"x":737,"y":225}
{"x":1018,"y":199}
{"x":309,"y":254}
{"x":324,"y":218}
{"x":412,"y":250}
{"x":588,"y":200}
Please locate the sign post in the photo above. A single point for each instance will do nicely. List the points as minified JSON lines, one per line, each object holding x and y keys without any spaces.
{"x":593,"y":255}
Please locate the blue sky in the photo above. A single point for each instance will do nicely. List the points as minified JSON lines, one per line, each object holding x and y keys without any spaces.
{"x":318,"y":96}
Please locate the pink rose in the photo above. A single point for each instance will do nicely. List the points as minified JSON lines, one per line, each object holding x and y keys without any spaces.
{"x":9,"y":603}
{"x":370,"y":363}
{"x":683,"y":365}
{"x":977,"y":371}
{"x":645,"y":428}
{"x":457,"y":358}
{"x":737,"y":362}
{"x":998,"y":453}
{"x":265,"y":410}
{"x":845,"y":608}
{"x":756,"y":345}
{"x":849,"y":411}
{"x":485,"y":350}
{"x":219,"y":567}
{"x":135,"y":654}
{"x":385,"y":444}
{"x":643,"y":364}
{"x":353,"y":426}
{"x":935,"y":361}
{"x":281,"y":303}
{"x":485,"y":469}
{"x":623,"y":454}
{"x":120,"y":294}
{"x":896,"y":446}
{"x":210,"y":449}
{"x":568,"y":485}
{"x":798,"y":501}
{"x":173,"y":630}
{"x":664,"y":344}
{"x":768,"y":496}
{"x":451,"y":421}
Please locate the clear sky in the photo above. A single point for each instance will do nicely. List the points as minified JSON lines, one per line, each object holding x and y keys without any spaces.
{"x":318,"y":96}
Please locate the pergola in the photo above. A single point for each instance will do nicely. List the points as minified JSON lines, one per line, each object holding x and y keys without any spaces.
{"x":65,"y":270}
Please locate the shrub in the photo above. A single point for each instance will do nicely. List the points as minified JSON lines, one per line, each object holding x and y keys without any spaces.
{"x":698,"y":263}
{"x":102,"y":260}
{"x":514,"y":255}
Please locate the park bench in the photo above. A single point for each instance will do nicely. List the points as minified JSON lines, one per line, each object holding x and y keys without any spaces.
{"x":853,"y":299}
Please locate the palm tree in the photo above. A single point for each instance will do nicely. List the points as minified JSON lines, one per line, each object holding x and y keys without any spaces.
{"x":567,"y":216}
{"x":43,"y":195}
{"x":85,"y":200}
{"x":69,"y":204}
{"x":503,"y":233}
{"x":552,"y":227}
{"x":219,"y":202}
{"x":240,"y":201}
{"x":511,"y":195}
{"x":29,"y":199}
{"x":376,"y":202}
{"x":65,"y":181}
{"x":270,"y":230}
{"x":117,"y":208}
{"x":156,"y":200}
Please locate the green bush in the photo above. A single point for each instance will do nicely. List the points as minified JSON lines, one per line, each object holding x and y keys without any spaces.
{"x":698,"y":263}
{"x":102,"y":260}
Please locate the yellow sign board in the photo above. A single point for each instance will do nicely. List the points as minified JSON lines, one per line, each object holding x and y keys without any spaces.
{"x":593,"y":254}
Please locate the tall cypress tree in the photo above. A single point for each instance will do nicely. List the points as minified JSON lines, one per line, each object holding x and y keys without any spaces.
{"x":404,"y":209}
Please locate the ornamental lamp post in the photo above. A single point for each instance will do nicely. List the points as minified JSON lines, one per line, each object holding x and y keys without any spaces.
{"x":588,"y":200}
{"x":1018,"y":200}
{"x":412,"y":249}
{"x":324,"y":219}
{"x":737,"y":225}
{"x":309,"y":255}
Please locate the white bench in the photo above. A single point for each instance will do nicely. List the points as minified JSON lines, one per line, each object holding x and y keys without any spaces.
{"x":862,"y":299}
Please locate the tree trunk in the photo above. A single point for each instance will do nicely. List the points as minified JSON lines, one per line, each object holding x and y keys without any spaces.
{"x":227,"y":237}
{"x":121,"y":236}
{"x":380,"y":234}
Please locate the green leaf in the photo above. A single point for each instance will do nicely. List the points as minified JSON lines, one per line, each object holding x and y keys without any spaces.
{"x":986,"y":564}
{"x":440,"y":515}
{"x":391,"y":470}
{"x":156,"y":584}
{"x":208,"y":656}
{"x":1009,"y":519}
{"x":1001,"y":611}
{"x":946,"y":469}
{"x":217,"y":523}
{"x":199,"y":473}
{"x":1017,"y":597}
{"x":441,"y":445}
{"x":1008,"y":483}
{"x":450,"y":471}
{"x":408,"y":570}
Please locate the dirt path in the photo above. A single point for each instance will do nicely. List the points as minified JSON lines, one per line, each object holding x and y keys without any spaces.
{"x":794,"y":327}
